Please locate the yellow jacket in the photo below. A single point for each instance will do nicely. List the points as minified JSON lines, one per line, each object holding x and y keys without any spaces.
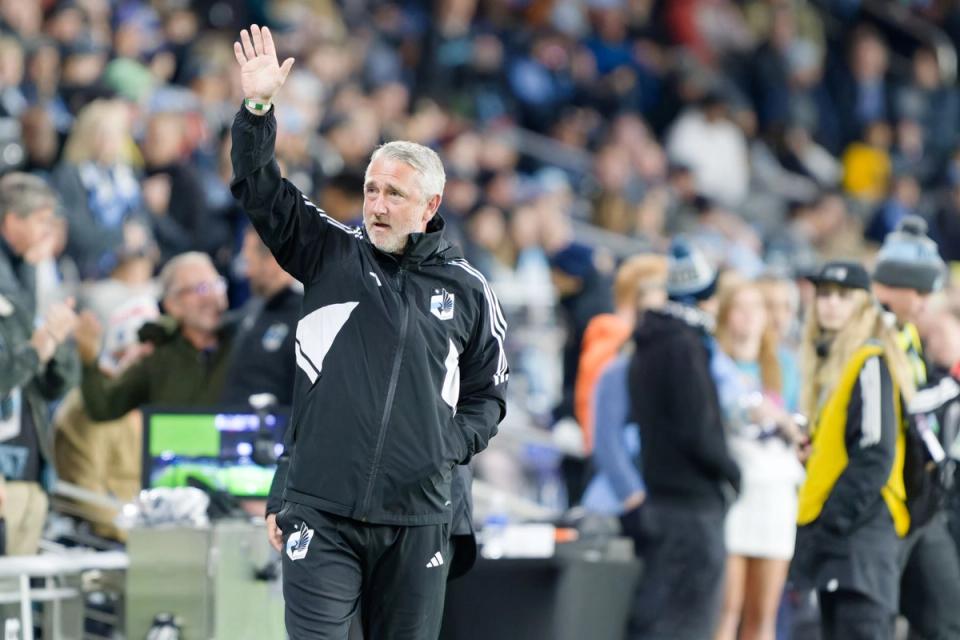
{"x":829,"y":455}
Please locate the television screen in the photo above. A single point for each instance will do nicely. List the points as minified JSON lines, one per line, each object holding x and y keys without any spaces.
{"x":214,"y":446}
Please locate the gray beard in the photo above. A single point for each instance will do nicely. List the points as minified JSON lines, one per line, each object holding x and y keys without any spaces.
{"x":396,"y":246}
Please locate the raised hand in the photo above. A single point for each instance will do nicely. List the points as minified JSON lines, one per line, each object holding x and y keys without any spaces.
{"x":61,"y":320}
{"x":260,"y":73}
{"x":58,"y":325}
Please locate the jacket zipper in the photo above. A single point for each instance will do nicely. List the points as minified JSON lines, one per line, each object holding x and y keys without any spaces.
{"x":388,"y":407}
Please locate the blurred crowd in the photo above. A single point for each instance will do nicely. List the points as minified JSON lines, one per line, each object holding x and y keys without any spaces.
{"x":772,"y":135}
{"x":773,"y":132}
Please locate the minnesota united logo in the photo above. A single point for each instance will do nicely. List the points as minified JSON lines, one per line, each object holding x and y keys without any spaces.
{"x":273,"y":337}
{"x":298,"y":542}
{"x":441,"y":304}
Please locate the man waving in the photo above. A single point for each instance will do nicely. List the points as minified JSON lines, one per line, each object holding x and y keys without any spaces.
{"x":401,"y":377}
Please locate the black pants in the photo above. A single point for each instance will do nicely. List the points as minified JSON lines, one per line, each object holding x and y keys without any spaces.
{"x":396,"y":576}
{"x":930,"y":585}
{"x":680,"y":590}
{"x":953,"y":519}
{"x":850,"y":615}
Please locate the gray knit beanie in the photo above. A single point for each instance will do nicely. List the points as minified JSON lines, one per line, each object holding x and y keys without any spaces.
{"x":909,"y":259}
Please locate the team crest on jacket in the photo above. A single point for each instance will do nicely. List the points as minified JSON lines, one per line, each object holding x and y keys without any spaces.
{"x":273,"y":337}
{"x":441,"y":304}
{"x":299,"y":542}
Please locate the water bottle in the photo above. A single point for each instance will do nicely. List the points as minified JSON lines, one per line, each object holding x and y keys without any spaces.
{"x":11,"y":629}
{"x":164,"y":627}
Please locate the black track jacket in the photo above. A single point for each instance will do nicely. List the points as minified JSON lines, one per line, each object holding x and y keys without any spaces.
{"x":401,"y":369}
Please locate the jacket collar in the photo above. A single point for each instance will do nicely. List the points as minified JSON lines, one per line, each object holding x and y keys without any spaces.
{"x":691,"y":316}
{"x":16,"y":277}
{"x":424,"y":247}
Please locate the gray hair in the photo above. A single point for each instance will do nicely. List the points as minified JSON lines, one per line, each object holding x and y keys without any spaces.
{"x":169,"y":271}
{"x":423,"y":159}
{"x":22,"y":194}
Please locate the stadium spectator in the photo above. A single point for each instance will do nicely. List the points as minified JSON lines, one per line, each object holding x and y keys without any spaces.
{"x":758,"y":406}
{"x":705,"y":139}
{"x":172,"y":189}
{"x":262,"y":352}
{"x":860,"y":88}
{"x":38,"y":363}
{"x":908,"y":271}
{"x":105,"y":457}
{"x":852,"y":513}
{"x":97,"y":178}
{"x":691,"y":478}
{"x":638,"y":284}
{"x":618,"y":487}
{"x":190,"y":340}
{"x":782,"y":299}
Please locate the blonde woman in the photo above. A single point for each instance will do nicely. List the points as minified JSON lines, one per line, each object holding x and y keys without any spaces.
{"x":852,"y":514}
{"x":759,"y":394}
{"x":98,"y":180}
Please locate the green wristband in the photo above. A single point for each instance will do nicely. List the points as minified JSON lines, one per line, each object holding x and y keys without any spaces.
{"x":256,"y":106}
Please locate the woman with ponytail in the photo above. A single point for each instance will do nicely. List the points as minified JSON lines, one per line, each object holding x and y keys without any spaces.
{"x":852,"y":512}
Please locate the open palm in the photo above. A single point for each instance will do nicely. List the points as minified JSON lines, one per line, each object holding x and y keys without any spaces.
{"x":260,"y":73}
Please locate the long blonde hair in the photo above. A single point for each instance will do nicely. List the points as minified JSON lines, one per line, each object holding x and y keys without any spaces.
{"x":821,"y":374}
{"x":99,"y":122}
{"x":770,"y":374}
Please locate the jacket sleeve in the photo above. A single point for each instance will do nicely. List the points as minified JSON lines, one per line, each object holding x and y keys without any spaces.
{"x":279,"y":483}
{"x":19,"y":363}
{"x":294,"y":229}
{"x":482,"y":403}
{"x":611,"y":414}
{"x":110,"y":398}
{"x":61,"y":374}
{"x":693,"y":399}
{"x":871,"y":434}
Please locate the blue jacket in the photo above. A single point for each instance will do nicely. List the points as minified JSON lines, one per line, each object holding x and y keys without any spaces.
{"x":616,"y":445}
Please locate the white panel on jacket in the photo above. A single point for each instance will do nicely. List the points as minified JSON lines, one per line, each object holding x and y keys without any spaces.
{"x":316,"y":332}
{"x":451,"y":381}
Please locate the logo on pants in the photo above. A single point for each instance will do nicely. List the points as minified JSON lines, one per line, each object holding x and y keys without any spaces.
{"x":298,"y":542}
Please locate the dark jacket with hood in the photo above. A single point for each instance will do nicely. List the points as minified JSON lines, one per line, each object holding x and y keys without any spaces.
{"x":401,"y":368}
{"x":674,"y":399}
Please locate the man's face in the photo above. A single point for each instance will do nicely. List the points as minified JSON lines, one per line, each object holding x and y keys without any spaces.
{"x":197,"y":297}
{"x":29,"y":232}
{"x":394,"y":205}
{"x":261,"y":267}
{"x":906,"y":304}
{"x":942,"y":337}
{"x":164,"y":138}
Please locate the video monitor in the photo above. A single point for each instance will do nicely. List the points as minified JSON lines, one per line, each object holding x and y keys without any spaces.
{"x":215,"y":446}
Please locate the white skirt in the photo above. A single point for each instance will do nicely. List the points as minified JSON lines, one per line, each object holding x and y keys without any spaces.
{"x":762,"y":523}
